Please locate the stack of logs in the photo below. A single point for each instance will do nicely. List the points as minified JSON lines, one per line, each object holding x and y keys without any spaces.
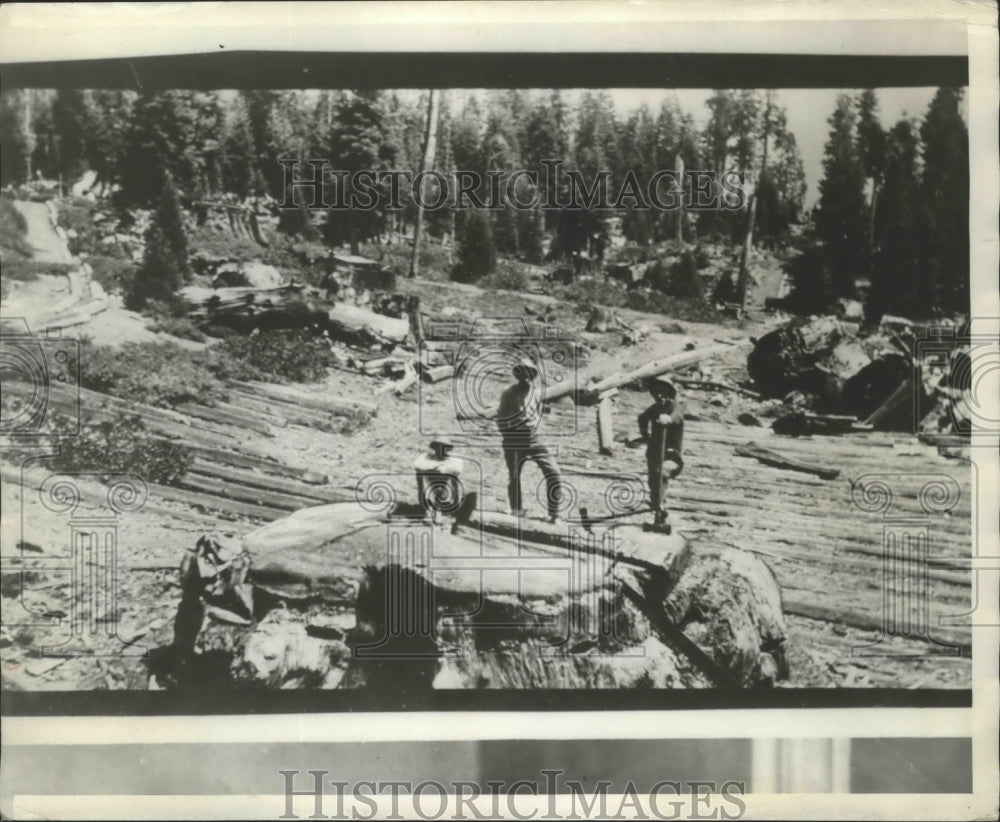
{"x":228,"y":473}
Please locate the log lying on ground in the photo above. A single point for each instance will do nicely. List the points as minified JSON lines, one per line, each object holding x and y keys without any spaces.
{"x":354,"y":324}
{"x":264,"y":464}
{"x":245,"y":493}
{"x":652,"y":368}
{"x":292,"y":305}
{"x":777,"y":460}
{"x":227,"y":416}
{"x":258,"y":479}
{"x":212,"y":502}
{"x":290,"y":413}
{"x":317,"y":401}
{"x":341,"y":558}
{"x":800,"y":424}
{"x":438,"y":373}
{"x":712,"y":385}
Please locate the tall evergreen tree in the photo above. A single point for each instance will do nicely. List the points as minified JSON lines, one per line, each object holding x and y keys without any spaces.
{"x":16,"y":136}
{"x":477,"y":255}
{"x":871,"y":151}
{"x":897,"y":267}
{"x":164,"y":266}
{"x":72,"y":123}
{"x":357,"y":144}
{"x":163,"y":135}
{"x":945,"y":201}
{"x":840,"y":216}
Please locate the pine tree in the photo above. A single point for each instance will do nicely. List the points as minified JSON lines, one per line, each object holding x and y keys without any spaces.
{"x":871,"y":151}
{"x":164,"y":266}
{"x":530,"y":235}
{"x":840,"y":216}
{"x":111,"y":114}
{"x":71,"y":121}
{"x":477,"y":255}
{"x":897,"y":267}
{"x":16,"y":136}
{"x":945,"y":202}
{"x":357,"y":144}
{"x":163,"y":135}
{"x":505,"y":231}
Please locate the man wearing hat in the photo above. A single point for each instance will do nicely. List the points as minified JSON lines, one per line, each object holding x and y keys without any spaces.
{"x":518,"y":418}
{"x":437,"y":478}
{"x":661,"y":425}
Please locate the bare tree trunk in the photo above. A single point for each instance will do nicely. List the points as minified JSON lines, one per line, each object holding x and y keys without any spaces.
{"x":29,"y":135}
{"x":429,"y":147}
{"x":679,"y":165}
{"x":748,"y":240}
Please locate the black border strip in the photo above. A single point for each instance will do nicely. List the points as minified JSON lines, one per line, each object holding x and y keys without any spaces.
{"x":163,"y":703}
{"x":290,"y":70}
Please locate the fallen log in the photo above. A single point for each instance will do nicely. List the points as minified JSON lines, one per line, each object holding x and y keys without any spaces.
{"x":266,"y":464}
{"x":865,"y":622}
{"x":656,"y":553}
{"x":227,"y":416}
{"x":258,"y":479}
{"x":316,"y":401}
{"x":438,"y":373}
{"x":773,"y":458}
{"x":245,"y":493}
{"x":711,"y":385}
{"x":290,"y":413}
{"x":653,"y":368}
{"x":212,"y":502}
{"x":801,"y":424}
{"x":355,"y":324}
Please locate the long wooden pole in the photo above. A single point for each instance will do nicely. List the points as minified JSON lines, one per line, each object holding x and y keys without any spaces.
{"x":430,"y":145}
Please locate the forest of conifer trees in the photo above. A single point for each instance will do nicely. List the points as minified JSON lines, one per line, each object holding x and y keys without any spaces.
{"x":890,"y":226}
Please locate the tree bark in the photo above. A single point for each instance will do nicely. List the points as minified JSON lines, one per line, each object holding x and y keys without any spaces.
{"x":430,"y":143}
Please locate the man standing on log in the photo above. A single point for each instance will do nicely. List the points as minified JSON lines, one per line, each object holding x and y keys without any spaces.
{"x":661,"y":425}
{"x":518,"y":418}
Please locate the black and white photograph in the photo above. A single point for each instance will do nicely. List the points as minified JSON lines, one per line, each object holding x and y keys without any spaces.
{"x":341,"y":380}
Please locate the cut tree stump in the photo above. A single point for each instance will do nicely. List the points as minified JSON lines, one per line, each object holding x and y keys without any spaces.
{"x":773,"y":458}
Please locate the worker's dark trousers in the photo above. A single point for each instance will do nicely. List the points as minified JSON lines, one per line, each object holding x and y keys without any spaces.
{"x":515,"y":455}
{"x":657,"y":484}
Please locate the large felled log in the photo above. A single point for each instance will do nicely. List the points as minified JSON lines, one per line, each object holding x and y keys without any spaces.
{"x":318,"y":401}
{"x":868,"y":389}
{"x":438,"y":373}
{"x":264,"y":464}
{"x":267,"y":481}
{"x":730,"y":602}
{"x":652,"y":552}
{"x":244,"y":493}
{"x":289,"y":413}
{"x":351,"y":323}
{"x":816,"y":357}
{"x":212,"y":502}
{"x":768,"y":457}
{"x":227,"y":416}
{"x":652,"y":368}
